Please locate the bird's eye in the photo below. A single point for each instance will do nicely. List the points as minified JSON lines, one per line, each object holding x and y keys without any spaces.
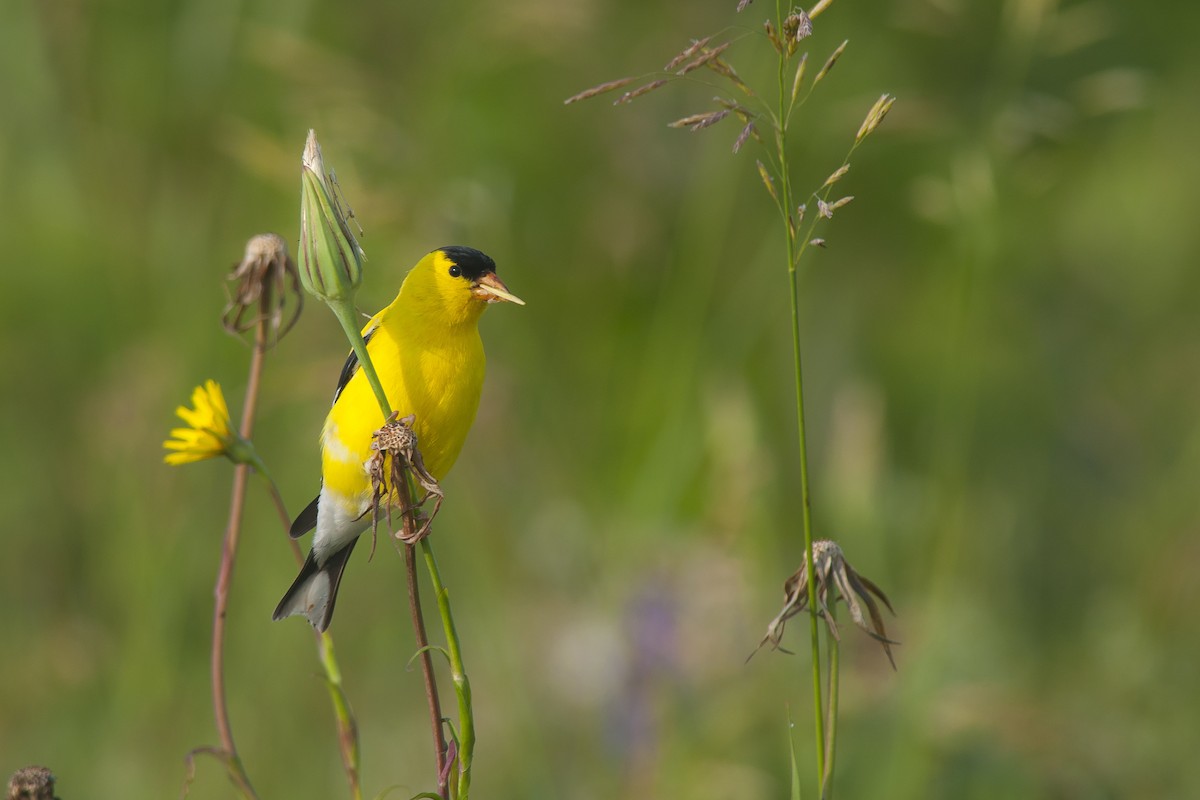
{"x":455,"y":271}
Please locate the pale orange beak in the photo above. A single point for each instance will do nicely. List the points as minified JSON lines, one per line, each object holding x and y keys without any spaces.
{"x":491,"y":289}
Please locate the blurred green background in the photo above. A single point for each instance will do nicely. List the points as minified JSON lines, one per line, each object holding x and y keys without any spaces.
{"x":1002,"y":351}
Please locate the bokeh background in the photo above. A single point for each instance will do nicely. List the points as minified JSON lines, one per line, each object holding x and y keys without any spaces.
{"x":1002,"y":351}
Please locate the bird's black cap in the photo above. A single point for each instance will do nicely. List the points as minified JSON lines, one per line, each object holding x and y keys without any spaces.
{"x":474,"y":264}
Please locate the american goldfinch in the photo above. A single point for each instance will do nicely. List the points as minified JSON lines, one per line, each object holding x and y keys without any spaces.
{"x":426,"y":349}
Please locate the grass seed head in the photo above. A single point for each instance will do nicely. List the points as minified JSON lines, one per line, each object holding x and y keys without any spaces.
{"x":875,"y":116}
{"x":820,"y":7}
{"x":767,"y":181}
{"x":645,"y":88}
{"x":707,"y":56}
{"x":598,"y":90}
{"x":746,"y":133}
{"x":687,"y":53}
{"x":831,"y":61}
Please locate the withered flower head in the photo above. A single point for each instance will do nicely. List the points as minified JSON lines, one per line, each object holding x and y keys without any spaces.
{"x":267,"y":284}
{"x":831,"y":571}
{"x":396,"y":457}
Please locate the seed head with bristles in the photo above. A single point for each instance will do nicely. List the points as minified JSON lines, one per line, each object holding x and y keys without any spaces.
{"x":835,"y":579}
{"x":268,"y":283}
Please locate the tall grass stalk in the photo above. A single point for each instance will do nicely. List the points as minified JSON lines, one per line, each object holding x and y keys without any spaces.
{"x":786,"y":103}
{"x":785,"y":32}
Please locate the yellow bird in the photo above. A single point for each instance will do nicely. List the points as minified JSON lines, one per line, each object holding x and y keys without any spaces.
{"x":427,"y":351}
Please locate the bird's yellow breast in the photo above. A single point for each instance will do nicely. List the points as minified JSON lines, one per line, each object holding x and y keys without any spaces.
{"x":430,"y":370}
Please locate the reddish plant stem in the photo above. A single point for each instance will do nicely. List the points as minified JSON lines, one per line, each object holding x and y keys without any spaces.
{"x":431,"y":691}
{"x":225,"y":573}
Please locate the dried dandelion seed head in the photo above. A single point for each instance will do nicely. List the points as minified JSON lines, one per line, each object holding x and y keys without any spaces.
{"x":834,"y":578}
{"x":396,"y":457}
{"x":32,"y":783}
{"x":268,"y":288}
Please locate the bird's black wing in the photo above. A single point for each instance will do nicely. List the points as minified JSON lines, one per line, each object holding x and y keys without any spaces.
{"x":306,"y":520}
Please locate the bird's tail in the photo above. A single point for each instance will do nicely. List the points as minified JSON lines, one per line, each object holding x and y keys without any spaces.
{"x":315,"y":589}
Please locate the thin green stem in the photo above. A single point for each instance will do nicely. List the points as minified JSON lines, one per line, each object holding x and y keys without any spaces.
{"x":832,"y":707}
{"x":349,"y":320}
{"x":347,"y":727}
{"x":458,"y":674}
{"x":785,"y":196}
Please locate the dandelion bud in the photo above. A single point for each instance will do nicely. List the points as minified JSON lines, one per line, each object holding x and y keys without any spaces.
{"x":330,"y":258}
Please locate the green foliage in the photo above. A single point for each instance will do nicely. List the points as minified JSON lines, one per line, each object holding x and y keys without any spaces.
{"x":1002,"y":339}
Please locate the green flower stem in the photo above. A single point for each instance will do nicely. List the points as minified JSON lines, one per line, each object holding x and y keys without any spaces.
{"x":347,"y":727}
{"x":458,"y":674}
{"x":832,"y":706}
{"x":351,"y":322}
{"x":786,"y":203}
{"x":346,"y":724}
{"x":347,"y":317}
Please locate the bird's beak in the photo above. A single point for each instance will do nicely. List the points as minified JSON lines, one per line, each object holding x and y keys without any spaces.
{"x":492,"y":290}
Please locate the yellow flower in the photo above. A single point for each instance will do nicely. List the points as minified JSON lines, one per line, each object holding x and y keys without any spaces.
{"x":208,"y":434}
